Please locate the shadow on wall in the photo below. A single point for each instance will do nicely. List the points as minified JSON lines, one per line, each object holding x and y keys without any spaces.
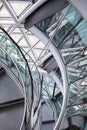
{"x":73,"y":127}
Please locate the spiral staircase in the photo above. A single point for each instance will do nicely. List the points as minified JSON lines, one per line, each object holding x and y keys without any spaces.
{"x":26,"y":103}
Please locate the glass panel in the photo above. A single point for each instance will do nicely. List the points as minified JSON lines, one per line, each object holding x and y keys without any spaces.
{"x":72,"y":17}
{"x":82,"y":31}
{"x":16,"y":5}
{"x":14,"y":52}
{"x":33,"y":39}
{"x":7,"y":60}
{"x":49,"y":24}
{"x":43,"y":25}
{"x":35,"y":75}
{"x":4,"y":12}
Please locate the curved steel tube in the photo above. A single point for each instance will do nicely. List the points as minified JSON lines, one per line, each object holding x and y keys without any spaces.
{"x":62,"y":67}
{"x":39,"y":94}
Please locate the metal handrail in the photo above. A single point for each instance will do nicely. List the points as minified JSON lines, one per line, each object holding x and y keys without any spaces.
{"x":33,"y":63}
{"x":39,"y":103}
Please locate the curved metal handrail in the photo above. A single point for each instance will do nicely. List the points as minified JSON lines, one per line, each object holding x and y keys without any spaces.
{"x":62,"y":67}
{"x":34,"y":65}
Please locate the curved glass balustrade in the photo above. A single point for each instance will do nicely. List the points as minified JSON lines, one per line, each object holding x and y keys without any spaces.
{"x":12,"y":56}
{"x":9,"y":62}
{"x":29,"y":74}
{"x":29,"y":78}
{"x":17,"y":56}
{"x":52,"y":94}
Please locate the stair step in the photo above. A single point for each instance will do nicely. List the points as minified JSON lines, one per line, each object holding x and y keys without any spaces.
{"x":11,"y":102}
